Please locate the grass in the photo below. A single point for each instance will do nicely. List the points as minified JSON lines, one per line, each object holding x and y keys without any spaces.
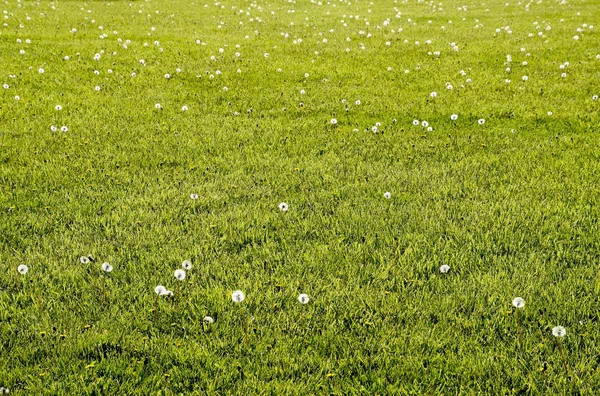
{"x":512,"y":205}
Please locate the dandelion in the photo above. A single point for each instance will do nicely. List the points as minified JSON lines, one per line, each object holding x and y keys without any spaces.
{"x":524,"y":78}
{"x":167,"y":76}
{"x":208,"y":320}
{"x":416,"y":122}
{"x":433,"y":94}
{"x":58,"y":107}
{"x":41,"y":71}
{"x":194,"y":196}
{"x":357,"y":103}
{"x":283,"y":207}
{"x":84,"y":260}
{"x":481,"y":121}
{"x":387,"y":195}
{"x":238,"y":296}
{"x":160,"y":289}
{"x":454,"y":117}
{"x":303,"y":298}
{"x":187,"y":265}
{"x":22,"y":269}
{"x":424,"y":124}
{"x":559,"y":332}
{"x":333,"y":121}
{"x":518,"y":302}
{"x":180,"y":274}
{"x":106,"y":267}
{"x":595,"y":97}
{"x":374,"y":128}
{"x":53,"y":128}
{"x":184,"y":108}
{"x":64,"y":128}
{"x":444,"y":269}
{"x":97,"y":88}
{"x":157,"y":106}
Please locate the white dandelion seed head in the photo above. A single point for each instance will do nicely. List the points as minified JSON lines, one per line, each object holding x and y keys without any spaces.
{"x":64,"y":128}
{"x":58,"y":107}
{"x":333,"y":121}
{"x":283,"y":207}
{"x":187,"y":265}
{"x":106,"y":267}
{"x":194,"y":196}
{"x":387,"y":195}
{"x":41,"y":70}
{"x":424,"y":124}
{"x":97,"y":88}
{"x":454,"y":117}
{"x":357,"y":103}
{"x":518,"y":302}
{"x":157,"y":106}
{"x":180,"y":274}
{"x":160,"y":289}
{"x":84,"y":260}
{"x":559,"y":331}
{"x":238,"y":296}
{"x":184,"y":108}
{"x":524,"y":78}
{"x":374,"y":129}
{"x":53,"y":128}
{"x":22,"y":269}
{"x":167,"y":76}
{"x":208,"y":320}
{"x":444,"y":269}
{"x":303,"y":298}
{"x":433,"y":94}
{"x":415,"y":122}
{"x":481,"y":121}
{"x":594,"y":97}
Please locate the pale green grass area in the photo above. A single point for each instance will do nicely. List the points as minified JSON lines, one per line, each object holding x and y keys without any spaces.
{"x":511,"y":206}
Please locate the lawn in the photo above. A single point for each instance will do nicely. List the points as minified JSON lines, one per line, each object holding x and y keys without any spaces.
{"x":412,"y":167}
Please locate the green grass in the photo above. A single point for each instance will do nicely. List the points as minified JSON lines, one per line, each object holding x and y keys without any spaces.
{"x":511,"y":205}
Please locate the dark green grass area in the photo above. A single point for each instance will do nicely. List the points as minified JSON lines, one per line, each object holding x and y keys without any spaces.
{"x":511,"y":205}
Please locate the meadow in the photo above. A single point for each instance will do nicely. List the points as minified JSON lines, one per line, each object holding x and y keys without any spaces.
{"x":412,"y":168}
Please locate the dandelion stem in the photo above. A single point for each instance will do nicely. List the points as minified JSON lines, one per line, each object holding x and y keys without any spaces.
{"x":562,"y":355}
{"x":178,"y":292}
{"x":156,"y":308}
{"x":519,"y":328}
{"x":103,"y":289}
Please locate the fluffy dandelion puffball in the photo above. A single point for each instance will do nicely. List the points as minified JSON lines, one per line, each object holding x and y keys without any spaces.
{"x":303,"y":298}
{"x":481,"y":121}
{"x":387,"y":195}
{"x":22,"y":269}
{"x":283,"y":207}
{"x":518,"y":302}
{"x":444,"y":269}
{"x":106,"y":267}
{"x":454,"y":117}
{"x":208,"y":320}
{"x":559,"y":331}
{"x":238,"y":296}
{"x":84,"y":260}
{"x":180,"y":274}
{"x":194,"y":196}
{"x":187,"y":265}
{"x":160,"y":289}
{"x":333,"y":121}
